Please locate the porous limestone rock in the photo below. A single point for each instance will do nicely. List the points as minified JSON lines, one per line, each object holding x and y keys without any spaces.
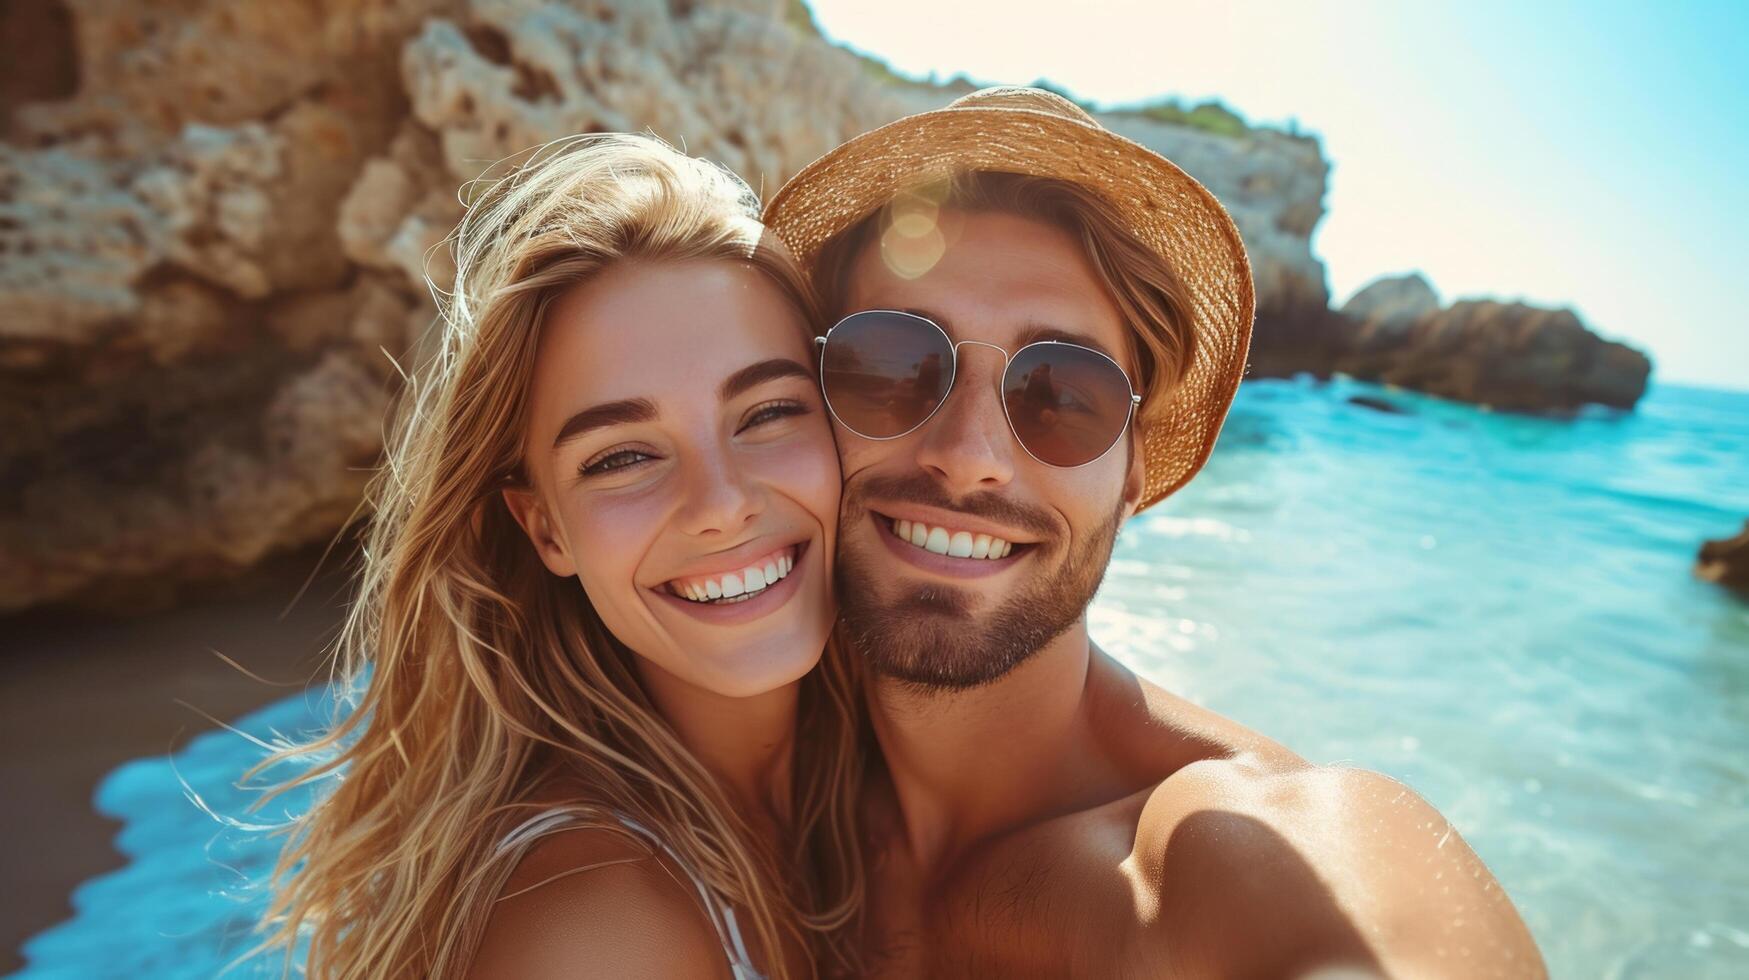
{"x":173,"y":296}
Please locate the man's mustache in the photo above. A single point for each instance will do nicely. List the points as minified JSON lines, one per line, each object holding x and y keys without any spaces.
{"x":920,"y":489}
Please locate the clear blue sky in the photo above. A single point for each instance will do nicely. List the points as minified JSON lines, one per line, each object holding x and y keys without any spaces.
{"x":1585,"y":155}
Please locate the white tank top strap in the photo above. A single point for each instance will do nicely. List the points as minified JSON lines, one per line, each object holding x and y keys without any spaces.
{"x":722,"y":915}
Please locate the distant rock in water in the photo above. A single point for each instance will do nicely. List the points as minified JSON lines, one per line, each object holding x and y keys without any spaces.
{"x":1726,"y":561}
{"x":1393,"y":302}
{"x":1378,"y":405}
{"x":1509,"y":356}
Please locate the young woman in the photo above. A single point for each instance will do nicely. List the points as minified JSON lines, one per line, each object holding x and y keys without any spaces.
{"x":595,"y":734}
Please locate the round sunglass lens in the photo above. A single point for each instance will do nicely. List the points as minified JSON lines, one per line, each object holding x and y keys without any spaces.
{"x":1068,"y":404}
{"x":884,"y":373}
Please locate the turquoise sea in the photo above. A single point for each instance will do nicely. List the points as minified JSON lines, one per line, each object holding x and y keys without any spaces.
{"x":1496,"y":609}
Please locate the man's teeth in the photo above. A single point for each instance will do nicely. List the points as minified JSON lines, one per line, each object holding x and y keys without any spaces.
{"x":954,"y":544}
{"x":741,"y":585}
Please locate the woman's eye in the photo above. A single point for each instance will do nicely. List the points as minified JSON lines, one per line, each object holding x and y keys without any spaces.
{"x":619,"y":459}
{"x":771,"y":411}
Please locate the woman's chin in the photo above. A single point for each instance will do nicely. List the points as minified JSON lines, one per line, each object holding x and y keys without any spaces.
{"x":756,"y":669}
{"x":747,"y":659}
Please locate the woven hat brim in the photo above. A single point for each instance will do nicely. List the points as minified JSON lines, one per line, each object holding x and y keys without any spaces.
{"x":1166,"y":208}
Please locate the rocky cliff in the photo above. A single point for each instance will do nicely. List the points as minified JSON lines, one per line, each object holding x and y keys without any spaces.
{"x":216,"y":217}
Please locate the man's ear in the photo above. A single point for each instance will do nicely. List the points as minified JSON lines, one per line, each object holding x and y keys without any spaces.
{"x":531,"y":514}
{"x":1136,"y":479}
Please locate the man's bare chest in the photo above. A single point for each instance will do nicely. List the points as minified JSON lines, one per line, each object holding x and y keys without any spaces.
{"x":1049,"y":901}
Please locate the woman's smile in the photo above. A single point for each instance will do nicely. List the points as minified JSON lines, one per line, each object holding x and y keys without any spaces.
{"x":752,"y":593}
{"x":742,"y":581}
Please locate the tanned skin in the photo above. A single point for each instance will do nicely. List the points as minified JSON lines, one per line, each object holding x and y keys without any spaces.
{"x":1045,"y":812}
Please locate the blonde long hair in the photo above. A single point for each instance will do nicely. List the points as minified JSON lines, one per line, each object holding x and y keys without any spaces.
{"x":478,"y":676}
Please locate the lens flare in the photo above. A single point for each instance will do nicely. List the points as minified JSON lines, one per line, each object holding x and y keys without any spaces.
{"x":913,"y":242}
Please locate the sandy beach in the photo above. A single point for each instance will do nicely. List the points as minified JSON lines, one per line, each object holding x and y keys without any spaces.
{"x":81,"y":694}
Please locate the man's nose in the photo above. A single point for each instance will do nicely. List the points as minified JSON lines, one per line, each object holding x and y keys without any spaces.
{"x":967,"y":445}
{"x":718,"y":495}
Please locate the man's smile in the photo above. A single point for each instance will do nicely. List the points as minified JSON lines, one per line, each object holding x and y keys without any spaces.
{"x":946,"y":549}
{"x":954,"y":544}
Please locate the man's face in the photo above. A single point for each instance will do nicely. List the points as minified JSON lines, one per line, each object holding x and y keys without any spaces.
{"x":944,"y":622}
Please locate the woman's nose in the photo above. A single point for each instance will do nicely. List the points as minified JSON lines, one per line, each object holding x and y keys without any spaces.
{"x":720,"y":497}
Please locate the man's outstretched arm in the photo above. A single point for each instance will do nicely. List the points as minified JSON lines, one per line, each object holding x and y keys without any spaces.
{"x":1260,"y":871}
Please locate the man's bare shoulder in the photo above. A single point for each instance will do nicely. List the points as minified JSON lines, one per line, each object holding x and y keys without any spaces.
{"x":1256,"y":865}
{"x":595,"y":902}
{"x":1151,"y":730}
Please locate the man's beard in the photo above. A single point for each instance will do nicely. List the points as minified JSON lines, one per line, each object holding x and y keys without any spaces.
{"x":926,"y":635}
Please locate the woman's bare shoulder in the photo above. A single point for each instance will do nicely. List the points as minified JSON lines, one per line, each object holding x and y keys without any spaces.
{"x":592,"y":901}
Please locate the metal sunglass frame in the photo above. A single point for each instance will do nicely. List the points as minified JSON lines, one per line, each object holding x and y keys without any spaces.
{"x":953,"y":378}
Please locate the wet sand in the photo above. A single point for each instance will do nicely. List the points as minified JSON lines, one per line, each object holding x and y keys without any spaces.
{"x":82,"y":694}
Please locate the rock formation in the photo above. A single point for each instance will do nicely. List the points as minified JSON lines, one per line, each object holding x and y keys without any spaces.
{"x":1508,"y":356}
{"x":1726,"y":561}
{"x":1390,"y":303}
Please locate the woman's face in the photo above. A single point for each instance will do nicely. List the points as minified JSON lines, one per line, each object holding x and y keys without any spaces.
{"x":684,"y":470}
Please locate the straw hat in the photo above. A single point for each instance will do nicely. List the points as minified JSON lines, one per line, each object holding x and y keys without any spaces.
{"x":1032,"y":131}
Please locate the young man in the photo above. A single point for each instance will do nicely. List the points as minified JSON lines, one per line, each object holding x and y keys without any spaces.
{"x":1043,"y":325}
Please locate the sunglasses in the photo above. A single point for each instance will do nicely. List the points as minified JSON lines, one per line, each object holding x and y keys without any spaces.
{"x":885,"y":373}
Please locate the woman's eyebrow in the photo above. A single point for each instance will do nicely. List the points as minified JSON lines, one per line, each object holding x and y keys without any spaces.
{"x":622,"y":412}
{"x":630,"y":410}
{"x":757,"y":374}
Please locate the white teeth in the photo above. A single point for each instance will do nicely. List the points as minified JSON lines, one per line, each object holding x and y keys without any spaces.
{"x":954,"y":544}
{"x":743,"y":584}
